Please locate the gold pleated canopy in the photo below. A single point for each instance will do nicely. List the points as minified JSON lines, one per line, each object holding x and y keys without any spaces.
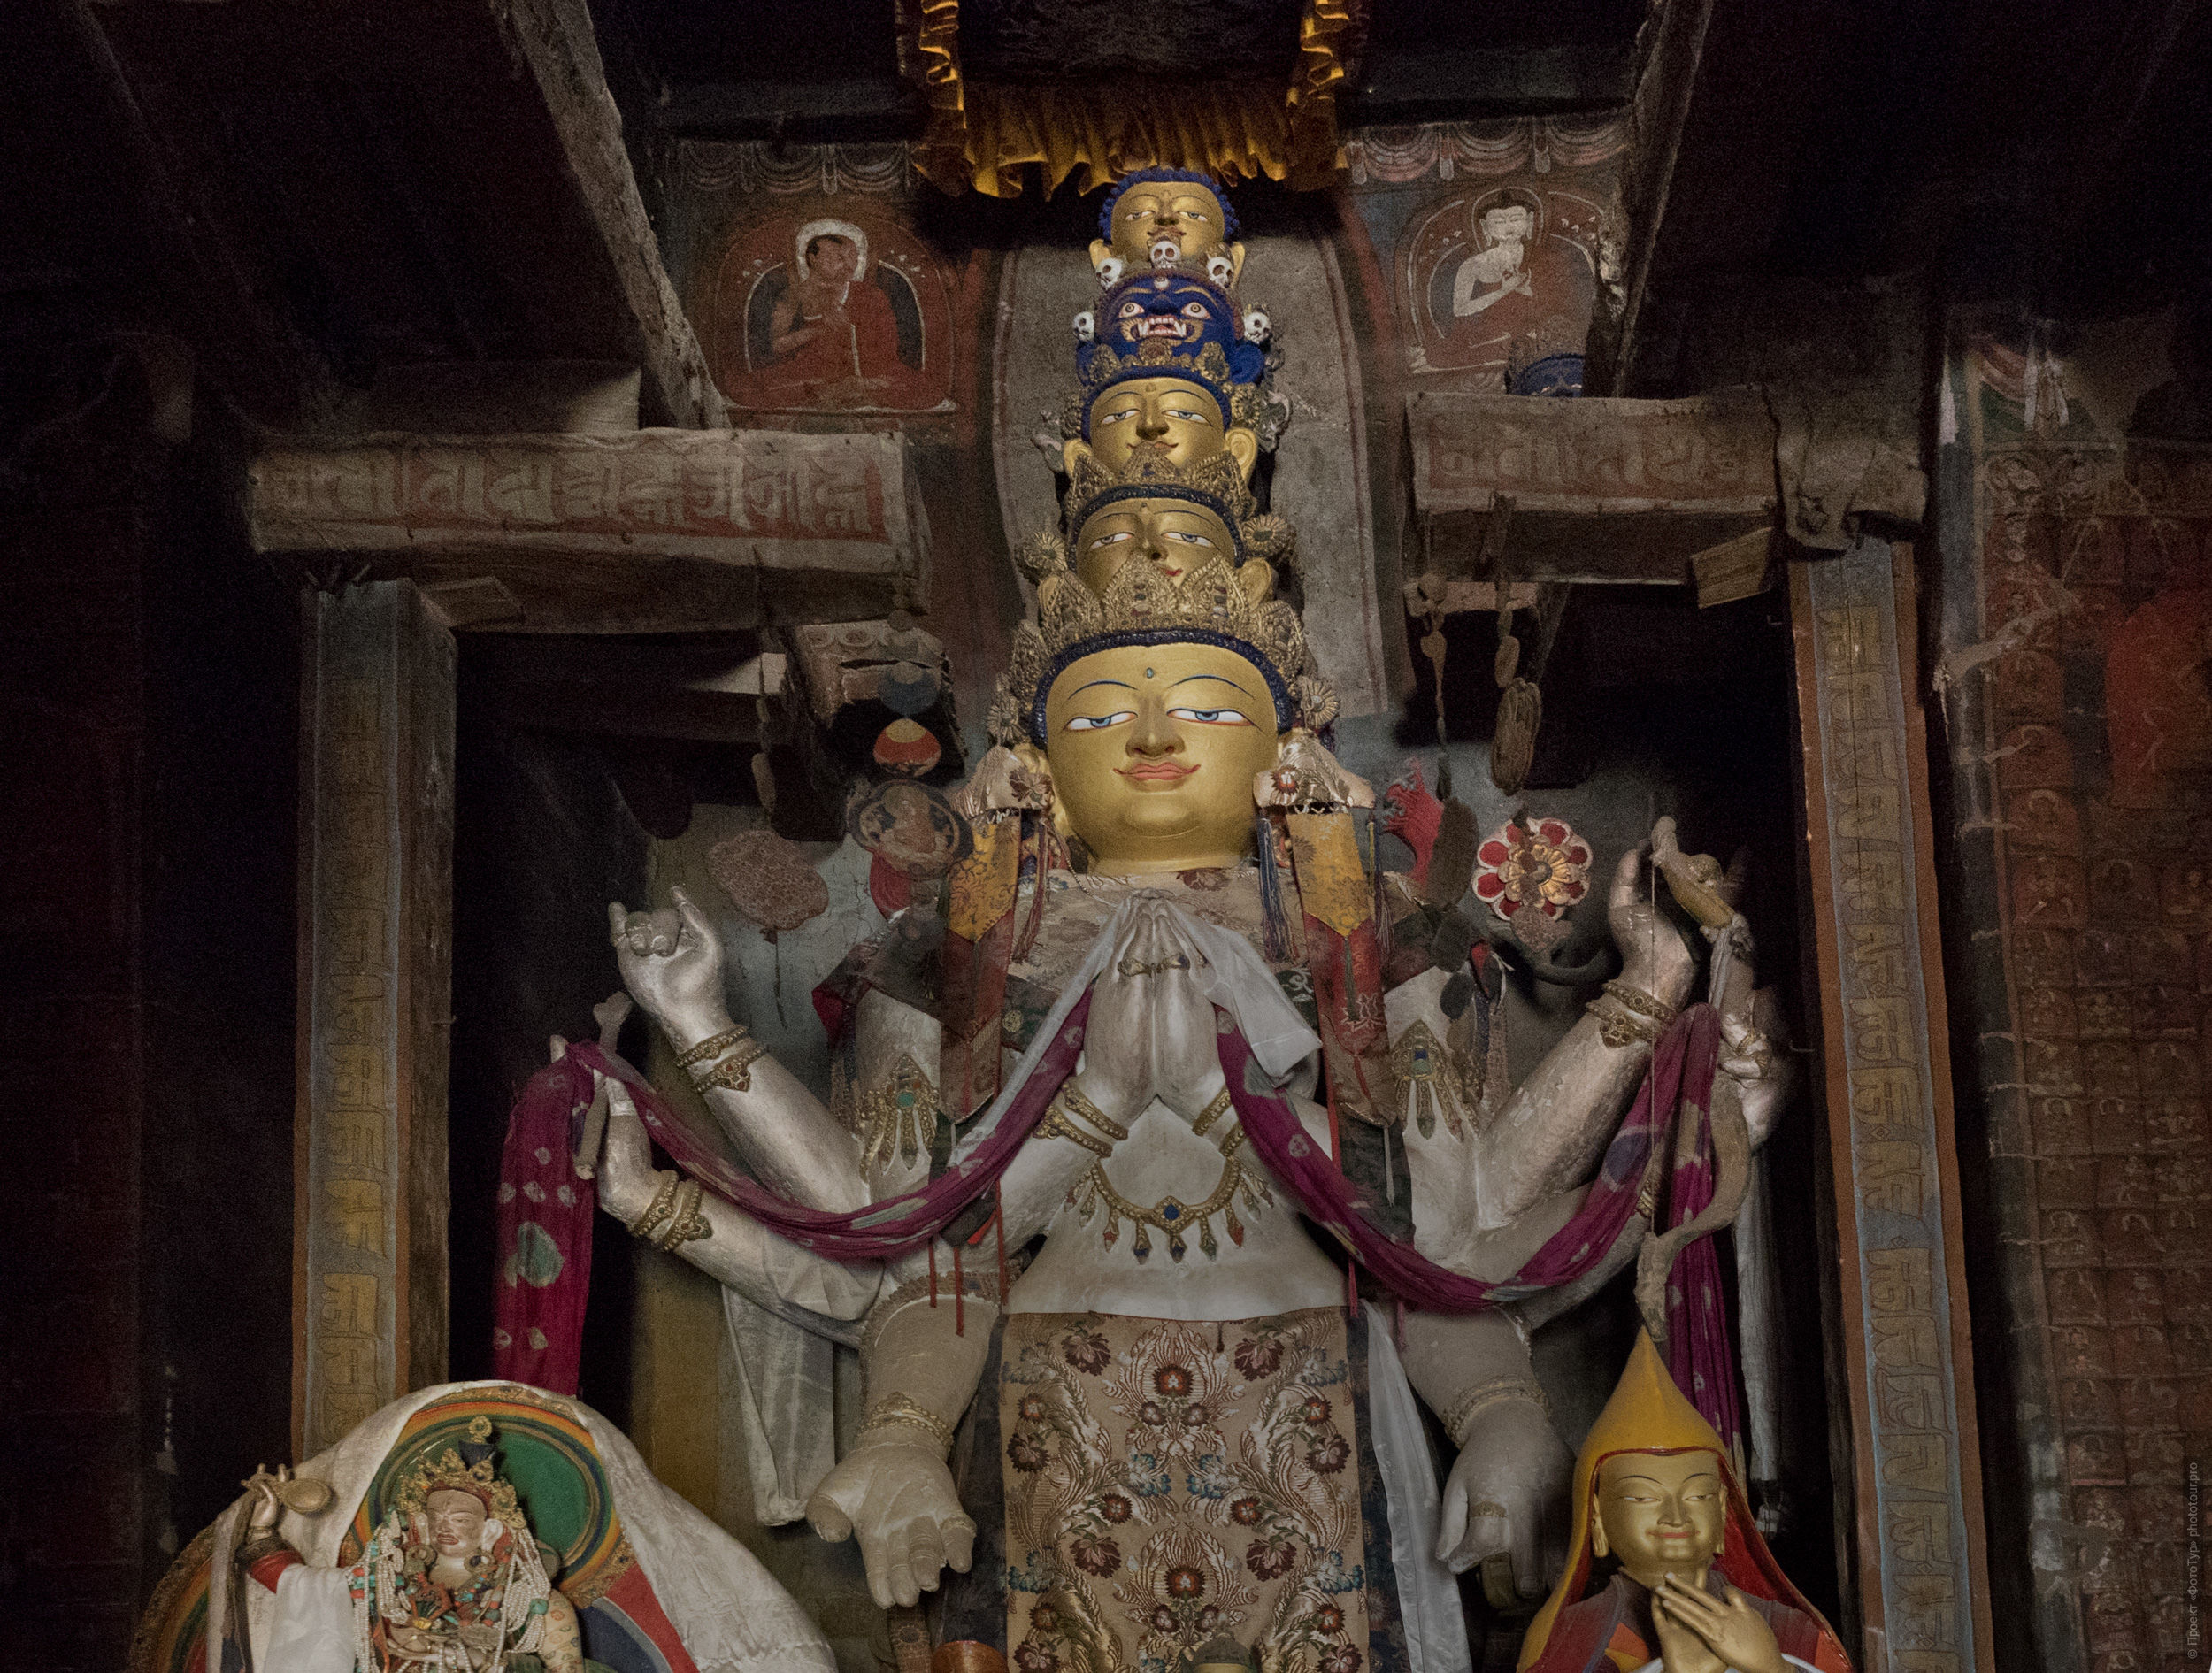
{"x":981,"y":137}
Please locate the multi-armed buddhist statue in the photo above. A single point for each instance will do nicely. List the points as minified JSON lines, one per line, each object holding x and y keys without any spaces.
{"x":1170,"y":1069}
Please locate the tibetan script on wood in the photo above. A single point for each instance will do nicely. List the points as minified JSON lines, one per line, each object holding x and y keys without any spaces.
{"x":752,"y":498}
{"x":1919,"y":1513}
{"x":1713,"y":453}
{"x":374,"y":996}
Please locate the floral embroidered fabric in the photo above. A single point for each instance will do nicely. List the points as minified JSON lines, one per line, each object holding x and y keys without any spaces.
{"x":1168,"y":1483}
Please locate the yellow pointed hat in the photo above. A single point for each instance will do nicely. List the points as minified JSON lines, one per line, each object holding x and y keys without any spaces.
{"x":1648,"y":1413}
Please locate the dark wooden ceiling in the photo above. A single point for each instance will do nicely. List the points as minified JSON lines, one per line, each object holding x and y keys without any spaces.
{"x":755,"y":69}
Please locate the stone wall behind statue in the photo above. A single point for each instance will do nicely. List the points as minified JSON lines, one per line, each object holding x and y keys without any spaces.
{"x":2076,"y":622}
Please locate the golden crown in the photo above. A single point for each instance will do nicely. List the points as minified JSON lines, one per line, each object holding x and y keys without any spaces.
{"x":1217,"y":483}
{"x":1232,"y":606}
{"x":1241,"y":403}
{"x":451,"y":1472}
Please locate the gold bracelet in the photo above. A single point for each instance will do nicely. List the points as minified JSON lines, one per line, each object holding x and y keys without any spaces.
{"x":735,"y":1071}
{"x":685,"y":1222}
{"x":707,"y":1048}
{"x":657,"y":1210}
{"x":1619,"y":1026}
{"x":1483,"y":1395}
{"x":1090,"y":1111}
{"x":267,"y":1543}
{"x":1055,"y":1125}
{"x":895,"y":1408}
{"x":1213,"y":1111}
{"x":1642,"y":1003}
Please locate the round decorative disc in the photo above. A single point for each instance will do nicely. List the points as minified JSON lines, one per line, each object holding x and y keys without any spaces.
{"x":907,"y":747}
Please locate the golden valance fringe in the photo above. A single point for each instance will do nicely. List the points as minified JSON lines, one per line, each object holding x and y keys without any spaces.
{"x":981,"y":137}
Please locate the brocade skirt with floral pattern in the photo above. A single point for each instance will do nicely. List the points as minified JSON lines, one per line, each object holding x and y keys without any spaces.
{"x":1163,"y":1483}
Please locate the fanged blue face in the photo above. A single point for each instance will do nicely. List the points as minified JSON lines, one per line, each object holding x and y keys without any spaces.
{"x":1188,"y":313}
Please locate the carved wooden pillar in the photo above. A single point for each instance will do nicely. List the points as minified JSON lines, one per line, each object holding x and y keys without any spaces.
{"x":376,"y":891}
{"x":1915,"y":1467}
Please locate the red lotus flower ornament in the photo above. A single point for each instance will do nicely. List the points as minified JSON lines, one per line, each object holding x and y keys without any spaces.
{"x":1541,"y":868}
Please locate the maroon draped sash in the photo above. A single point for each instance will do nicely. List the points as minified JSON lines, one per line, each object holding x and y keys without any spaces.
{"x":1677,"y":1087}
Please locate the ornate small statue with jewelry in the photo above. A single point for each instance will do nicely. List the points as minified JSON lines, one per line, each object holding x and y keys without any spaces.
{"x":451,"y":1582}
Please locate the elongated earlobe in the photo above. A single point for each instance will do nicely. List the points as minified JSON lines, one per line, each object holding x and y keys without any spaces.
{"x":1243,"y":446}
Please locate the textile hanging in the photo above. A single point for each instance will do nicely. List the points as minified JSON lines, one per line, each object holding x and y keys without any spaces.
{"x":545,"y":1220}
{"x":1700,"y":1353}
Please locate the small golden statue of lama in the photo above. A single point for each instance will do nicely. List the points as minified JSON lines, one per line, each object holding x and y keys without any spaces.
{"x":1695,"y":1588}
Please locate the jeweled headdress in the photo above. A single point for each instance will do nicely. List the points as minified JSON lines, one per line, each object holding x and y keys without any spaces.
{"x":1100,"y":367}
{"x":467,"y":1467}
{"x":1216,"y":484}
{"x":1233,"y":608}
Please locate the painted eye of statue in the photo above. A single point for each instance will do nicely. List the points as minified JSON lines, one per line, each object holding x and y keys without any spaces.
{"x":1105,"y":418}
{"x":1213,"y":717}
{"x":1189,"y":415}
{"x":1098,"y":723}
{"x":1112,"y":537}
{"x":1132,"y":309}
{"x":1186,"y":537}
{"x":1194,"y":310}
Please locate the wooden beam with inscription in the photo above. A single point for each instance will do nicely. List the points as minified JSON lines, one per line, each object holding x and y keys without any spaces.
{"x":375,"y":1006}
{"x":658,"y":531}
{"x":1915,"y":1477}
{"x":1588,"y":490}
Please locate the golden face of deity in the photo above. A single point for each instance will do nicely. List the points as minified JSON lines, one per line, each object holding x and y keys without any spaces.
{"x":1153,"y":750}
{"x":1180,"y":210}
{"x":1177,"y":537}
{"x":1167,"y":418}
{"x":1661,"y":1514}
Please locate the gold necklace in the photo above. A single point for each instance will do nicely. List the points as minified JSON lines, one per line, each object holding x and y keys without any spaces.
{"x":1172,"y":1215}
